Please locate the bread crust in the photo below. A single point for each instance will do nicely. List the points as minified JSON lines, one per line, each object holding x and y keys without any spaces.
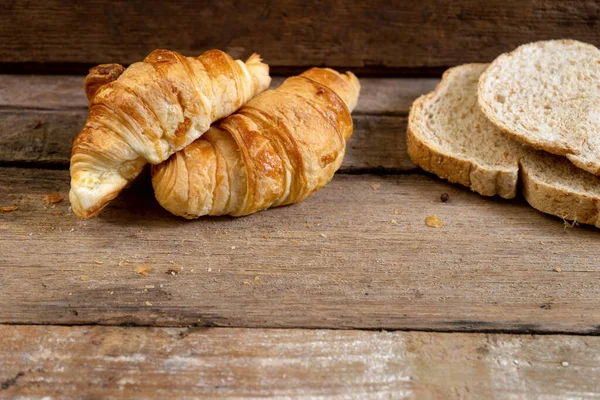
{"x":558,"y":145}
{"x":568,"y":205}
{"x":453,"y":167}
{"x":150,"y":110}
{"x":543,"y":188}
{"x":280,"y":148}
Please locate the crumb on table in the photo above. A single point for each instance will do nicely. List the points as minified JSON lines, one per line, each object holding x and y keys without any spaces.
{"x":433,"y":222}
{"x":5,"y":209}
{"x":53,"y":198}
{"x":143,"y":270}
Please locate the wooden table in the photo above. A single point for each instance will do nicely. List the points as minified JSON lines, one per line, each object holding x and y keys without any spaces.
{"x":346,"y":295}
{"x":357,"y":256}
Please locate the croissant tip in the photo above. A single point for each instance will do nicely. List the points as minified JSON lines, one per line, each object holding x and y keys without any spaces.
{"x":254,"y":58}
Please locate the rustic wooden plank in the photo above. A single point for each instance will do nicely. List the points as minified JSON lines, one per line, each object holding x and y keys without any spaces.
{"x":44,"y":137}
{"x":388,"y":96}
{"x":342,"y":259}
{"x":42,"y":91}
{"x":379,"y":33}
{"x":159,"y":363}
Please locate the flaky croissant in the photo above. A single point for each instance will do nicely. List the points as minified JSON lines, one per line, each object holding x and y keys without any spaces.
{"x":149,"y":111}
{"x":278,"y":149}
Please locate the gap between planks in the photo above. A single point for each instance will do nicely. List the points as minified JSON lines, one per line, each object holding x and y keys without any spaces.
{"x":473,"y":329}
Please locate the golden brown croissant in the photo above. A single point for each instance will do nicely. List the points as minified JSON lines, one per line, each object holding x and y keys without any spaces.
{"x":278,"y":149}
{"x":149,"y":111}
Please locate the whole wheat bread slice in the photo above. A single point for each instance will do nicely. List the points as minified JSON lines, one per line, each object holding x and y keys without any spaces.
{"x":547,"y":95}
{"x":449,"y":136}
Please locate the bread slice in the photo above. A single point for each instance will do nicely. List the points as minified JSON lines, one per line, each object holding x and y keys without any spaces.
{"x":449,"y":136}
{"x":547,"y":95}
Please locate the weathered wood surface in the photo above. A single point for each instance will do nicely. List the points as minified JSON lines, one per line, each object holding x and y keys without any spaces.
{"x":44,"y":138}
{"x":159,"y":363}
{"x":342,"y":259}
{"x":41,"y":115}
{"x":378,"y":34}
{"x":379,"y":96}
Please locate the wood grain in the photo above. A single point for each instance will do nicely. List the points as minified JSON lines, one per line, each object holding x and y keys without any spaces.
{"x":41,"y":115}
{"x":379,"y":33}
{"x":379,"y":96}
{"x":342,"y":259}
{"x":44,"y":138}
{"x":159,"y":363}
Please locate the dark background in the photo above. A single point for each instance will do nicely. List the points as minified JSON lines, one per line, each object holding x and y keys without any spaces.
{"x":379,"y":37}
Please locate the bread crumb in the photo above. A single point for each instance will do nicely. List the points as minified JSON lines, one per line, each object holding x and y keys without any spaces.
{"x":323,"y":235}
{"x":433,"y":222}
{"x":172,"y":271}
{"x":232,"y":247}
{"x":375,"y":186}
{"x":444,"y":197}
{"x":394,"y":222}
{"x":149,"y":287}
{"x":557,"y":269}
{"x":5,"y":209}
{"x":246,"y":283}
{"x":266,"y":237}
{"x":148,"y":304}
{"x":85,"y":278}
{"x":53,"y":198}
{"x":395,"y":212}
{"x":209,"y":269}
{"x":111,"y":292}
{"x":257,"y":278}
{"x":143,"y":270}
{"x":98,"y":261}
{"x":564,"y":363}
{"x":70,"y":294}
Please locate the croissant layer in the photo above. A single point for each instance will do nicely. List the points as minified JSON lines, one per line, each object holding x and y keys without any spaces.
{"x":278,"y":149}
{"x":147,"y":112}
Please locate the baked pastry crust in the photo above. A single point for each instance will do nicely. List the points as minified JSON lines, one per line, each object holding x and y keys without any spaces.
{"x":278,"y":149}
{"x":150,"y":110}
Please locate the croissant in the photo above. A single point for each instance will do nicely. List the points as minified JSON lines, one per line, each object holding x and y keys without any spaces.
{"x":149,"y":111}
{"x":278,"y":149}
